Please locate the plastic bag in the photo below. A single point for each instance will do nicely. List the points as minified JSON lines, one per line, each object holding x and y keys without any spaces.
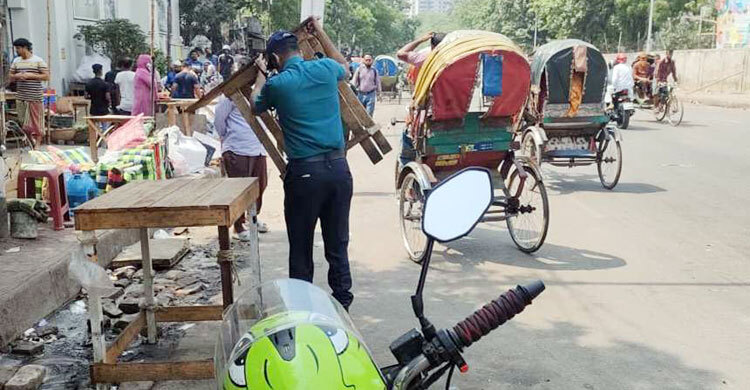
{"x":186,"y":153}
{"x":89,"y":275}
{"x":130,"y":134}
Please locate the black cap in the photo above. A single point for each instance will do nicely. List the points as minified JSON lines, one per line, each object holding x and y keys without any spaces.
{"x":97,"y":68}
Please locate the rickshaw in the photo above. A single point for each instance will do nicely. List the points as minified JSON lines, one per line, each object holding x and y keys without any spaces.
{"x":467,"y":103}
{"x":567,"y":124}
{"x":389,"y":70}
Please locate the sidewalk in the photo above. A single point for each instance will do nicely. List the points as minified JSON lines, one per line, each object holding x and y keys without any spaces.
{"x":718,"y":99}
{"x":34,"y":280}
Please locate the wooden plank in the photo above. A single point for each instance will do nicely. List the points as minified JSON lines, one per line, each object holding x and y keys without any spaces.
{"x":274,"y":128}
{"x":242,"y":203}
{"x":165,"y":253}
{"x":161,"y":371}
{"x":125,"y":339}
{"x":123,"y":219}
{"x":189,"y":313}
{"x":382,"y":143}
{"x":92,"y":139}
{"x":191,"y":193}
{"x":246,"y":75}
{"x":244,"y":106}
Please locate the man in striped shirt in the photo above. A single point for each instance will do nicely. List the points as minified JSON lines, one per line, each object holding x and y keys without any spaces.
{"x":28,"y":71}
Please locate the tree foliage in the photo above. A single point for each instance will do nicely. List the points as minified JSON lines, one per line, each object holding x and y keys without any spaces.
{"x":205,"y":17}
{"x":114,"y":38}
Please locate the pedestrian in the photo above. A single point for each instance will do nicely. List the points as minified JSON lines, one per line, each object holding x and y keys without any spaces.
{"x":410,"y":55}
{"x":109,"y":78}
{"x":172,"y":73}
{"x":143,"y":95}
{"x":125,"y":82}
{"x":187,"y":85}
{"x":194,"y":60}
{"x":317,"y":183}
{"x":28,"y":71}
{"x":243,"y":156}
{"x":367,"y":81}
{"x":226,"y":62}
{"x":211,"y":57}
{"x":210,"y":78}
{"x":97,"y":91}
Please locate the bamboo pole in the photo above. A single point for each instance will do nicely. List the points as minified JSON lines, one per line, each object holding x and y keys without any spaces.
{"x":153,"y":59}
{"x":49,"y":69}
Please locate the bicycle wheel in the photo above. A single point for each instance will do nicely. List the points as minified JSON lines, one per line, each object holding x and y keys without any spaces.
{"x":674,"y":110}
{"x":660,"y":112}
{"x":528,"y":224}
{"x":531,"y":149}
{"x":609,"y":163}
{"x":411,"y":202}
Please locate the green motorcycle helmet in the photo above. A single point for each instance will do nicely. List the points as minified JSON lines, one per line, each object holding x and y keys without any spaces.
{"x":299,"y":349}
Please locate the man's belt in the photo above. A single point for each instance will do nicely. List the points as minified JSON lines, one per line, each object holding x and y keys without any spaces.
{"x":329,"y":156}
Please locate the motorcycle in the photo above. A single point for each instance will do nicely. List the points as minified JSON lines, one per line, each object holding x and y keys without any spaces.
{"x":619,"y":107}
{"x":290,"y":334}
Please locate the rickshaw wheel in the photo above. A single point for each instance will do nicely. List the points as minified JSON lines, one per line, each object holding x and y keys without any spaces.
{"x":660,"y":111}
{"x":528,"y":226}
{"x":531,"y":149}
{"x":609,"y":163}
{"x":410,"y":204}
{"x":674,"y":110}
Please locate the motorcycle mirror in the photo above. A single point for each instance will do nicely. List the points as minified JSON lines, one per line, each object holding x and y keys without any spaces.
{"x":457,"y":204}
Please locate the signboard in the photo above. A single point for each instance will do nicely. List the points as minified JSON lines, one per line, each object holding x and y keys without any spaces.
{"x":315,"y":8}
{"x":732,"y":23}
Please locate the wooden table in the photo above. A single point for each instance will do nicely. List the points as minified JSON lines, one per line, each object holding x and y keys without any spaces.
{"x":95,"y":132}
{"x":157,"y":204}
{"x":179,"y":106}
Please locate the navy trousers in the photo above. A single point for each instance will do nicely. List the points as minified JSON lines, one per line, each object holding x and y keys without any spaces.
{"x":313,"y":191}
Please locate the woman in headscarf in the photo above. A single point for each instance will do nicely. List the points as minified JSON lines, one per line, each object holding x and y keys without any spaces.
{"x":144,"y":95}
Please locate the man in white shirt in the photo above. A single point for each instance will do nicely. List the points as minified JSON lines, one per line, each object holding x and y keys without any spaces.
{"x":126,"y":85}
{"x":622,"y":75}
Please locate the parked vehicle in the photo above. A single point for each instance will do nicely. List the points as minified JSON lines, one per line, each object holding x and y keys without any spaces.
{"x":466,"y":106}
{"x":566,"y":120}
{"x":288,"y":334}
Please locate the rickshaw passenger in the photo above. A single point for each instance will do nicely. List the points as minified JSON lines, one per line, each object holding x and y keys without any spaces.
{"x":410,"y":55}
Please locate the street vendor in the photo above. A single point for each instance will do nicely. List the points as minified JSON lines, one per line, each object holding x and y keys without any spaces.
{"x":28,"y":71}
{"x":317,"y":183}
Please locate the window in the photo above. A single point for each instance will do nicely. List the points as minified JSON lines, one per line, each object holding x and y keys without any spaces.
{"x":110,"y":9}
{"x":86,"y":9}
{"x":162,"y":15}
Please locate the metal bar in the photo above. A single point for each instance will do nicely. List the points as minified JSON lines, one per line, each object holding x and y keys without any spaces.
{"x":148,"y":287}
{"x":493,"y":218}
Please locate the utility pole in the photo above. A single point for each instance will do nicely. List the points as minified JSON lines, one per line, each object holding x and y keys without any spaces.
{"x":169,"y":33}
{"x":650,"y":26}
{"x":536,"y":28}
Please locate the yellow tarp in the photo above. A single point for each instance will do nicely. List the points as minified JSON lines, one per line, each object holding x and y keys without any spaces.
{"x":455,"y":46}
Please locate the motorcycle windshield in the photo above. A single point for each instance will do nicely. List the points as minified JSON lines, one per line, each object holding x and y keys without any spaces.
{"x":262,"y":312}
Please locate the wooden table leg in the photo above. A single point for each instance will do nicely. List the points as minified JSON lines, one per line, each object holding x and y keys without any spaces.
{"x":95,"y":318}
{"x":225,"y":263}
{"x":92,"y":140}
{"x":171,"y":115}
{"x":255,"y":245}
{"x":148,"y":287}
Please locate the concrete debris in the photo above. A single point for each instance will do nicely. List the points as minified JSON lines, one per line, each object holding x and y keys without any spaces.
{"x":15,"y":249}
{"x":110,"y":308}
{"x":186,"y":281}
{"x":123,"y":322}
{"x":46,"y":330}
{"x":78,"y":307}
{"x":138,"y":274}
{"x":27,"y":378}
{"x":191,"y":289}
{"x":129,"y":305}
{"x":174,"y":274}
{"x":134,"y":290}
{"x":122,"y":283}
{"x":7,"y":372}
{"x":29,"y":348}
{"x":126,"y":272}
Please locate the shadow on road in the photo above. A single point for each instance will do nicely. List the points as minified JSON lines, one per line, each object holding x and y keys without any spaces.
{"x":564,"y":184}
{"x":485,"y":245}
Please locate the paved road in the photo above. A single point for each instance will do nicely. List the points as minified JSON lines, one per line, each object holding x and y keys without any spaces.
{"x":647,"y":285}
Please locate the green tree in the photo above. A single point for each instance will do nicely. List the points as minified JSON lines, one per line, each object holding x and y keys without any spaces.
{"x":114,"y":38}
{"x":205,"y":17}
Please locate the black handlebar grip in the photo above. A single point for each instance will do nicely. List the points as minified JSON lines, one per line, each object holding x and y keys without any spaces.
{"x":495,"y":313}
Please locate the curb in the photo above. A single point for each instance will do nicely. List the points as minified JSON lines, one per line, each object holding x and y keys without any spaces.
{"x":50,"y":289}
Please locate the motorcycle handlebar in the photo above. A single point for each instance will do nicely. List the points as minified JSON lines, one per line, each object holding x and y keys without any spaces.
{"x":496,"y":313}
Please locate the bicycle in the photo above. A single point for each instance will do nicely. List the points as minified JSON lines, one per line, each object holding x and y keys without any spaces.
{"x":669,"y":105}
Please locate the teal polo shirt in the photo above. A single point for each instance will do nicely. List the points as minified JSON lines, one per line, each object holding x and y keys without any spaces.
{"x":305,"y":96}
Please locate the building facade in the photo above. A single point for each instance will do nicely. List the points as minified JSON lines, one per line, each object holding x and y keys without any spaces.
{"x":28,"y":19}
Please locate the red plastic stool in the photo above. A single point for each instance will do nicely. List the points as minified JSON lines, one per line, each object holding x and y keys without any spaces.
{"x":57,"y":194}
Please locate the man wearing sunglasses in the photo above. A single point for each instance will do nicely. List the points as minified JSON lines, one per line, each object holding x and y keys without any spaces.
{"x":317,"y":184}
